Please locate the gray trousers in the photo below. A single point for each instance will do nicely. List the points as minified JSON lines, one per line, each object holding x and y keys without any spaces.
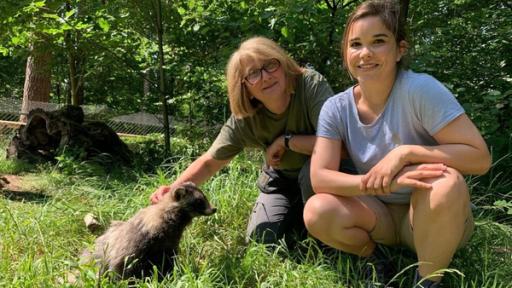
{"x":277,"y":213}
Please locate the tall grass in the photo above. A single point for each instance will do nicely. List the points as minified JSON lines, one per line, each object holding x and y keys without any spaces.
{"x":42,"y":233}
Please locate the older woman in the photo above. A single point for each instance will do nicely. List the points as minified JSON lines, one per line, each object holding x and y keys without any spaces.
{"x":275,"y":105}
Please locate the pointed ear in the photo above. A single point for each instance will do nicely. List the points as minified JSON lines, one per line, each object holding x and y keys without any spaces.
{"x":179,"y":193}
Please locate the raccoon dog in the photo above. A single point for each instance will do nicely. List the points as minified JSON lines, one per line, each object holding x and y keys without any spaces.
{"x":151,"y":237}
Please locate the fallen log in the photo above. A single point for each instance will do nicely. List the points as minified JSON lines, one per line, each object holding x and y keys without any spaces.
{"x":47,"y":134}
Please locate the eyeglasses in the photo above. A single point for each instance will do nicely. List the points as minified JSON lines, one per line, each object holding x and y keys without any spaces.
{"x":270,"y":66}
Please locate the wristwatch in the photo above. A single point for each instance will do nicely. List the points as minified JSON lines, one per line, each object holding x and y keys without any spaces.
{"x":287,"y":137}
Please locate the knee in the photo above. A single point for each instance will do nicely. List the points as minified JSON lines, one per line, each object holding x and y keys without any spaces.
{"x":319,"y":209}
{"x":265,"y":233}
{"x":266,"y":226}
{"x":448,"y":193}
{"x":313,"y":210}
{"x":451,"y":191}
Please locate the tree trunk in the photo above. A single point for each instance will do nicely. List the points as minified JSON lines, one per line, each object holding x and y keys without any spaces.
{"x":334,"y":7}
{"x":75,"y":64}
{"x":404,"y":10}
{"x":146,"y":86}
{"x":76,"y":73}
{"x":73,"y":79}
{"x":37,"y":78}
{"x":159,"y":30}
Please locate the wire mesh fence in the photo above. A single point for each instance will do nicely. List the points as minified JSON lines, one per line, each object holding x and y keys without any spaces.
{"x":139,"y":123}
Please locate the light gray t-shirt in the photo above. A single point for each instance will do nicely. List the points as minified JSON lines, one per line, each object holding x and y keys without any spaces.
{"x":417,"y":108}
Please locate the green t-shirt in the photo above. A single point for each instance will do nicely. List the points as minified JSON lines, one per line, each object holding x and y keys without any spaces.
{"x":260,"y":130}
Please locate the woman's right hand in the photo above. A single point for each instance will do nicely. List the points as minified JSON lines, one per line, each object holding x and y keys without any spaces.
{"x":275,"y":152}
{"x":159,"y":194}
{"x":379,"y":179}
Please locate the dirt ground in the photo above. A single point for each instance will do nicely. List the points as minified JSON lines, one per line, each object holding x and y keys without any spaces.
{"x":13,"y":183}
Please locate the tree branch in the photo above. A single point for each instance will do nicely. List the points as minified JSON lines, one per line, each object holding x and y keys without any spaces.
{"x":349,"y":3}
{"x":112,"y":53}
{"x":328,"y":4}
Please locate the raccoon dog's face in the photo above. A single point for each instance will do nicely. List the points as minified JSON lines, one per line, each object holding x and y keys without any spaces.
{"x":193,"y":200}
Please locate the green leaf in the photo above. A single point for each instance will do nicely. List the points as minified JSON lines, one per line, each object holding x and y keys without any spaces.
{"x":82,"y":26}
{"x":34,"y":6}
{"x":104,"y":25}
{"x":70,"y":13}
{"x":16,"y":40}
{"x":284,"y":31}
{"x":51,"y":16}
{"x":39,"y":4}
{"x":4,"y":51}
{"x":66,"y":27}
{"x":52,"y":31}
{"x":502,"y":204}
{"x":494,"y":93}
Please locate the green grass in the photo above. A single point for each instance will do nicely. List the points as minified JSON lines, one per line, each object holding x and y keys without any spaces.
{"x":42,"y":233}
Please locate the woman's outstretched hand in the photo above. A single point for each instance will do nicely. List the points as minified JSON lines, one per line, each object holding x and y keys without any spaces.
{"x":159,"y":193}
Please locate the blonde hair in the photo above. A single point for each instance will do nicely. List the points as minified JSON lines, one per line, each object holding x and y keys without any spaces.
{"x":255,"y":49}
{"x":389,"y":13}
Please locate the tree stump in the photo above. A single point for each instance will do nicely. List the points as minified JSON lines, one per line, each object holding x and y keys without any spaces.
{"x":3,"y":181}
{"x":47,"y":134}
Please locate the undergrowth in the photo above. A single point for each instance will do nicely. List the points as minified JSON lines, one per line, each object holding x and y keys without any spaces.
{"x":42,"y":234}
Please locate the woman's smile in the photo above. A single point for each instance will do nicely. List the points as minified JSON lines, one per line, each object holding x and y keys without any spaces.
{"x":367,"y":66}
{"x":266,"y":88}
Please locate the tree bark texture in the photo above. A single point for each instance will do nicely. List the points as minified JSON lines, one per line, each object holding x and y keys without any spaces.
{"x":37,"y":79}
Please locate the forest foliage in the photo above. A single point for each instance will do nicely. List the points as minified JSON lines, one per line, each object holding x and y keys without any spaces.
{"x":464,"y":43}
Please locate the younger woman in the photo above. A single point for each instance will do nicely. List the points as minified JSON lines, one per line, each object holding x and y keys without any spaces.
{"x":411,"y":142}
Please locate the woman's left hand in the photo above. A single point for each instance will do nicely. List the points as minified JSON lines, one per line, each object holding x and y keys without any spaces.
{"x":275,"y":151}
{"x":378,"y":180}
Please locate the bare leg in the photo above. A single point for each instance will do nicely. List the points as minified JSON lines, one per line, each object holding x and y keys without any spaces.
{"x":341,"y":222}
{"x":438,"y":217}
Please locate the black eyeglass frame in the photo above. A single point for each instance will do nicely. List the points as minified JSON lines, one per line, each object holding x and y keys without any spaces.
{"x":258,"y":73}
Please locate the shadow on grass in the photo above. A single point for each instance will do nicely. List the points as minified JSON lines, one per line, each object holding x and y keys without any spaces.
{"x":24,"y":196}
